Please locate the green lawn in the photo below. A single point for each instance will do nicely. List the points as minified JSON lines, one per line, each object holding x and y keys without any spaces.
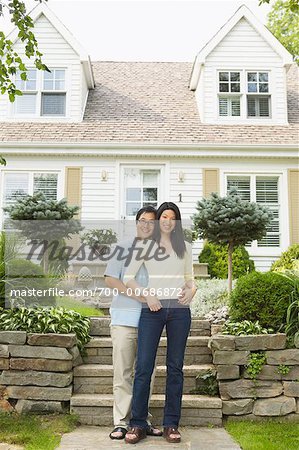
{"x":76,"y":305}
{"x":35,"y":432}
{"x":266,"y":435}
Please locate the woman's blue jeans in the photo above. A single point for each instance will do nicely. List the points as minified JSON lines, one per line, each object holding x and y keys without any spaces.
{"x":177,"y":319}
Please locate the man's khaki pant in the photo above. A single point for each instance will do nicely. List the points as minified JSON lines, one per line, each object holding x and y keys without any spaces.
{"x":124,"y":341}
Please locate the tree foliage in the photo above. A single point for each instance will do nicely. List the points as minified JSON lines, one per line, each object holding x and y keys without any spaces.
{"x":291,"y":5}
{"x":10,"y":61}
{"x":283,"y":23}
{"x":232,"y":221}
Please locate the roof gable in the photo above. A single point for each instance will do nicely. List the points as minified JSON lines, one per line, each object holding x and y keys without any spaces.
{"x":243,"y":13}
{"x":43,"y":10}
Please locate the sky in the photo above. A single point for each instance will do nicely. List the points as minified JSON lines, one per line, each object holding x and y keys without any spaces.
{"x":144,"y":30}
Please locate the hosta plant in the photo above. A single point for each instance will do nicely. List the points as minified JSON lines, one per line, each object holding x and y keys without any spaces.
{"x":245,"y":327}
{"x":46,"y":320}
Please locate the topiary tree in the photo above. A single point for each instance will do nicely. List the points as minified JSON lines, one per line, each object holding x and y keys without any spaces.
{"x":216,"y":257}
{"x":56,"y":221}
{"x":288,"y":260}
{"x":231,"y":221}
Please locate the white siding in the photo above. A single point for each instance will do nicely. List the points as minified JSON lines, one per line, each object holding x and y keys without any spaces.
{"x":57,"y":53}
{"x":84,"y":91}
{"x":99,"y":197}
{"x":243,"y":49}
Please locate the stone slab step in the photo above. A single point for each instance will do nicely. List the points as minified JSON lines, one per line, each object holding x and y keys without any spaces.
{"x":197,"y":410}
{"x":98,"y":379}
{"x":100,"y":326}
{"x":99,"y":351}
{"x":106,"y":342}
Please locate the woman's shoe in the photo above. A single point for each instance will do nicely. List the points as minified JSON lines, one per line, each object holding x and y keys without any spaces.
{"x":136,"y":433}
{"x":153,"y":431}
{"x":172,"y":434}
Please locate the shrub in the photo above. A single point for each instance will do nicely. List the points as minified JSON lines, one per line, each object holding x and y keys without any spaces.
{"x":216,"y":256}
{"x":288,"y":259}
{"x":25,"y":275}
{"x":46,"y":320}
{"x":210,"y":295}
{"x":261,"y":296}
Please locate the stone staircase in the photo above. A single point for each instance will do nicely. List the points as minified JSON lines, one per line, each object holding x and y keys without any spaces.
{"x":92,"y":399}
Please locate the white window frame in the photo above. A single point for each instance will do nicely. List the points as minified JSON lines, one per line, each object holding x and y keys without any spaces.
{"x":39,"y":91}
{"x":31,"y":173}
{"x":253,"y":249}
{"x":259,"y":94}
{"x":243,"y":118}
{"x":122,"y":197}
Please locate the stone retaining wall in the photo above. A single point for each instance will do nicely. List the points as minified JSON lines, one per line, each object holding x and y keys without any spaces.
{"x":273,"y":392}
{"x":36,"y":371}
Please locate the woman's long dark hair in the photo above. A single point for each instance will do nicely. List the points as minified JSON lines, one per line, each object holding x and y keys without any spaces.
{"x":177,"y":235}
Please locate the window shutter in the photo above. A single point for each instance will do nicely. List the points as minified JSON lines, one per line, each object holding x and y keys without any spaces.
{"x":26,"y":104}
{"x":264,"y":107}
{"x":251,"y":106}
{"x":235,"y":106}
{"x":210,"y":181}
{"x":293,"y":186}
{"x":73,"y":187}
{"x":223,"y":106}
{"x":47,"y":184}
{"x":242,"y":184}
{"x":267,"y":194}
{"x":15,"y":187}
{"x":53,"y":104}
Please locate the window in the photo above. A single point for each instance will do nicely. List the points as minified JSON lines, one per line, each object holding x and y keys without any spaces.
{"x":258,"y":104}
{"x":141,"y":189}
{"x":20,"y":184}
{"x":53,"y":95}
{"x":26,"y":103}
{"x":44,"y":93}
{"x":263,"y":190}
{"x":229,"y":105}
{"x":243,"y":94}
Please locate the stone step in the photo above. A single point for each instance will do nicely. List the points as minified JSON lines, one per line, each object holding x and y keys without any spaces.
{"x":98,"y":379}
{"x":197,"y":410}
{"x":100,"y":326}
{"x":99,"y":351}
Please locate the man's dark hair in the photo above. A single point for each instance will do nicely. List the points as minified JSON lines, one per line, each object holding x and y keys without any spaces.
{"x":146,"y":209}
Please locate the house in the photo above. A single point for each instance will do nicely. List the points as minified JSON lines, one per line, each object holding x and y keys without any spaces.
{"x":113,"y":136}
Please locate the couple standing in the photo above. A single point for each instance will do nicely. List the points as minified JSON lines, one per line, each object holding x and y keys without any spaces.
{"x":155,"y":290}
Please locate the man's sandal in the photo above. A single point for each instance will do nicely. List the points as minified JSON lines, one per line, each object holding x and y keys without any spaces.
{"x":172,"y":434}
{"x":138,"y":432}
{"x":153,"y":431}
{"x":118,"y":430}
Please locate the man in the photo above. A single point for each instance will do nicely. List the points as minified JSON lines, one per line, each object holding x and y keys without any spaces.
{"x":125,"y":313}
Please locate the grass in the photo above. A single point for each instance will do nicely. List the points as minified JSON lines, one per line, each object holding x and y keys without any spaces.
{"x":266,"y":435}
{"x":76,"y":305}
{"x":35,"y":432}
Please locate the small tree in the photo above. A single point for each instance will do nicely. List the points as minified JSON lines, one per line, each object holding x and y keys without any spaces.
{"x":232,"y":221}
{"x":56,"y":218}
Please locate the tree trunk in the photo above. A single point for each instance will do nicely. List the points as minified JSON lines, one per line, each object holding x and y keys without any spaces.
{"x":230,"y":266}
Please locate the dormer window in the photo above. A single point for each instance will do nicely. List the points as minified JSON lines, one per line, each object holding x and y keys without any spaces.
{"x":258,"y":102}
{"x":229,"y":84}
{"x":44,"y":94}
{"x":54,"y":94}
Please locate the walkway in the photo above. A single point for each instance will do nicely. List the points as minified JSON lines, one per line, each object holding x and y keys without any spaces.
{"x":96,"y":438}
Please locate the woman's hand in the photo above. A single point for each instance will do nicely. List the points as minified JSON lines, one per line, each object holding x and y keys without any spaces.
{"x":186,"y":296}
{"x":153,"y":302}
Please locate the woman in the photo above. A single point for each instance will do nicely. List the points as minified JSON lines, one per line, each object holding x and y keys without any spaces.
{"x":169,"y":292}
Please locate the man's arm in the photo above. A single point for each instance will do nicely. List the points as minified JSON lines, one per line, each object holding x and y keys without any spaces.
{"x":116,"y":283}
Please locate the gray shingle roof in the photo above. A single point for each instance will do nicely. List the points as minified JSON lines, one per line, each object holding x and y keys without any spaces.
{"x":140,"y":102}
